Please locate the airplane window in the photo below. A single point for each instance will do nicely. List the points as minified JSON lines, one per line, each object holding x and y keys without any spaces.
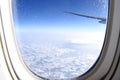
{"x":60,"y":39}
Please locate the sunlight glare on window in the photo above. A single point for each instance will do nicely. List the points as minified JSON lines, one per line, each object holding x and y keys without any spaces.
{"x":60,"y":39}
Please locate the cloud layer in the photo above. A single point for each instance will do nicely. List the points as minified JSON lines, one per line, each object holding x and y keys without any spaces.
{"x":58,"y":58}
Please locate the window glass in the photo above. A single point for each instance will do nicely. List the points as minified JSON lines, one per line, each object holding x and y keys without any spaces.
{"x":60,"y":38}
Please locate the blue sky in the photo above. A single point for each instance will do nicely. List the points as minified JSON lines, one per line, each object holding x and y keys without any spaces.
{"x":50,"y":13}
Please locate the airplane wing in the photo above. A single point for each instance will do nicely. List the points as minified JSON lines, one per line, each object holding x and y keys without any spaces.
{"x":102,"y":20}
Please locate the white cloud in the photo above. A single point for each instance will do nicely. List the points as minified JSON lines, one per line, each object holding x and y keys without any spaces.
{"x":60,"y":58}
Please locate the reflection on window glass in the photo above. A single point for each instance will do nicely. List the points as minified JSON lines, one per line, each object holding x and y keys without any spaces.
{"x":60,"y":38}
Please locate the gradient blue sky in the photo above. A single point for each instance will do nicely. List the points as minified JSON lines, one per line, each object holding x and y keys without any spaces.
{"x":50,"y":13}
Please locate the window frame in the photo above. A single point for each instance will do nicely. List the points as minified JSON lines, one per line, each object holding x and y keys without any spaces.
{"x":19,"y":70}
